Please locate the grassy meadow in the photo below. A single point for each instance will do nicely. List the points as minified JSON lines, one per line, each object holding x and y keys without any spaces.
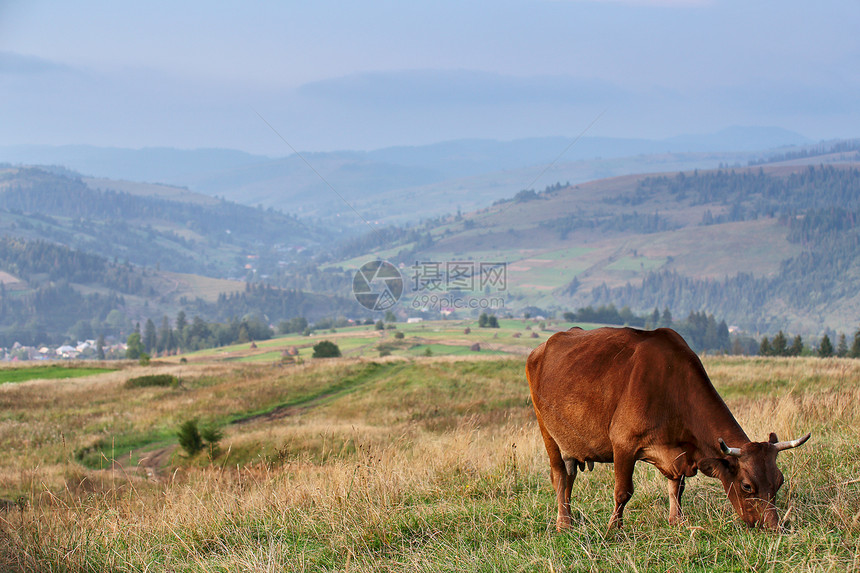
{"x":443,"y":337}
{"x":394,"y":464}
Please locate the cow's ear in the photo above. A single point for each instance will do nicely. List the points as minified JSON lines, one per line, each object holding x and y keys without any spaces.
{"x":773,"y":439}
{"x":720,"y":468}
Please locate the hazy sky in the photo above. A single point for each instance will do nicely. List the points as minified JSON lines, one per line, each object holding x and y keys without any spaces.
{"x":362,"y":75}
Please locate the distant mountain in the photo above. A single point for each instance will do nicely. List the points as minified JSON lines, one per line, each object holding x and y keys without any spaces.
{"x":150,"y":164}
{"x":765,"y":247}
{"x":741,"y":139}
{"x":303,"y":185}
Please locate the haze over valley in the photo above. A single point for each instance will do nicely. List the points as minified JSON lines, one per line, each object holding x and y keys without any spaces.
{"x":574,"y":143}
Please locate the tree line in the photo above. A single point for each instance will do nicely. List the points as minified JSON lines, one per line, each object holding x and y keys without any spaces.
{"x":185,"y":336}
{"x":845,"y":147}
{"x":780,"y":346}
{"x":46,"y":314}
{"x":702,"y":331}
{"x":640,"y":223}
{"x":274,"y":303}
{"x":751,"y":194}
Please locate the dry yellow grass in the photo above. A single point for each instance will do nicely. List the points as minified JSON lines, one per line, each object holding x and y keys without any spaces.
{"x":421,"y":465}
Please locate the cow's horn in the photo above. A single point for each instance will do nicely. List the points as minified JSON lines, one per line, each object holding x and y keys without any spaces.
{"x":791,"y":443}
{"x":736,"y":452}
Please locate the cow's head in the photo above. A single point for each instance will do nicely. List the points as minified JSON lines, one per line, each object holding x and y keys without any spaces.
{"x":751,"y":478}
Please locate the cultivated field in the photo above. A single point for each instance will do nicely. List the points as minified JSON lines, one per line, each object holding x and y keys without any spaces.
{"x":394,"y":464}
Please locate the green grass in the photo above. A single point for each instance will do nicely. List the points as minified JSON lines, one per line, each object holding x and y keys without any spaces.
{"x":49,"y":372}
{"x":410,"y":465}
{"x":565,"y":254}
{"x":448,"y":350}
{"x":101,"y":454}
{"x":335,"y":388}
{"x":264,"y":357}
{"x":363,"y":341}
{"x":636,"y":264}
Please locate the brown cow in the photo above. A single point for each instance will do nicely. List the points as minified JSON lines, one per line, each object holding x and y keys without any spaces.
{"x":621,"y":395}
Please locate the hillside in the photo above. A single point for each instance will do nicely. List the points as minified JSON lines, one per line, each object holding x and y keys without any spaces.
{"x":50,"y":293}
{"x":84,"y":257}
{"x":408,"y":183}
{"x":149,"y":225}
{"x":766,"y":247}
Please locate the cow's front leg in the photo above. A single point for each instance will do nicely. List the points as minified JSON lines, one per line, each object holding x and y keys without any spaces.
{"x":676,"y":490}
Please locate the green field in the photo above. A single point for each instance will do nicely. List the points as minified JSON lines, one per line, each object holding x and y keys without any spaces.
{"x":395,"y":464}
{"x":48,"y":372}
{"x":565,"y":254}
{"x":448,"y":350}
{"x":635,"y":264}
{"x":444,"y":337}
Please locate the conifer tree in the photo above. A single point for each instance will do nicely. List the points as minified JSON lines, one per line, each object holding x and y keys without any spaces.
{"x":164,"y":335}
{"x":825,"y":348}
{"x":796,"y":346}
{"x":666,"y":319}
{"x":855,"y":347}
{"x":100,"y":347}
{"x":150,"y":337}
{"x":842,"y":346}
{"x":181,"y":324}
{"x":779,"y":345}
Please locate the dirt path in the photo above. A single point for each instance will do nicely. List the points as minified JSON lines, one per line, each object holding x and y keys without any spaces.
{"x":151,"y":463}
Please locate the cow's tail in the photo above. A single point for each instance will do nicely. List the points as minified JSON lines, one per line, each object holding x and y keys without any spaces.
{"x":533,"y":369}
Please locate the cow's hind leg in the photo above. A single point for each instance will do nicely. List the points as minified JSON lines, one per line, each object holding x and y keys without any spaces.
{"x":562,"y":481}
{"x":676,"y":490}
{"x":624,"y":463}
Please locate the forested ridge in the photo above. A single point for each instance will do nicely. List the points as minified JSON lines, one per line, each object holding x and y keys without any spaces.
{"x":151,"y":231}
{"x":275,"y":304}
{"x":750,"y":194}
{"x":34,"y":190}
{"x":39,"y":261}
{"x":819,"y":208}
{"x":47,"y":305}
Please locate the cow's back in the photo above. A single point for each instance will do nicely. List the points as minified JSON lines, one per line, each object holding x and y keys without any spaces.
{"x":583,"y":382}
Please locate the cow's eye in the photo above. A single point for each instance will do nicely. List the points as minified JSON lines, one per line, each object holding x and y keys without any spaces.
{"x":746,"y":487}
